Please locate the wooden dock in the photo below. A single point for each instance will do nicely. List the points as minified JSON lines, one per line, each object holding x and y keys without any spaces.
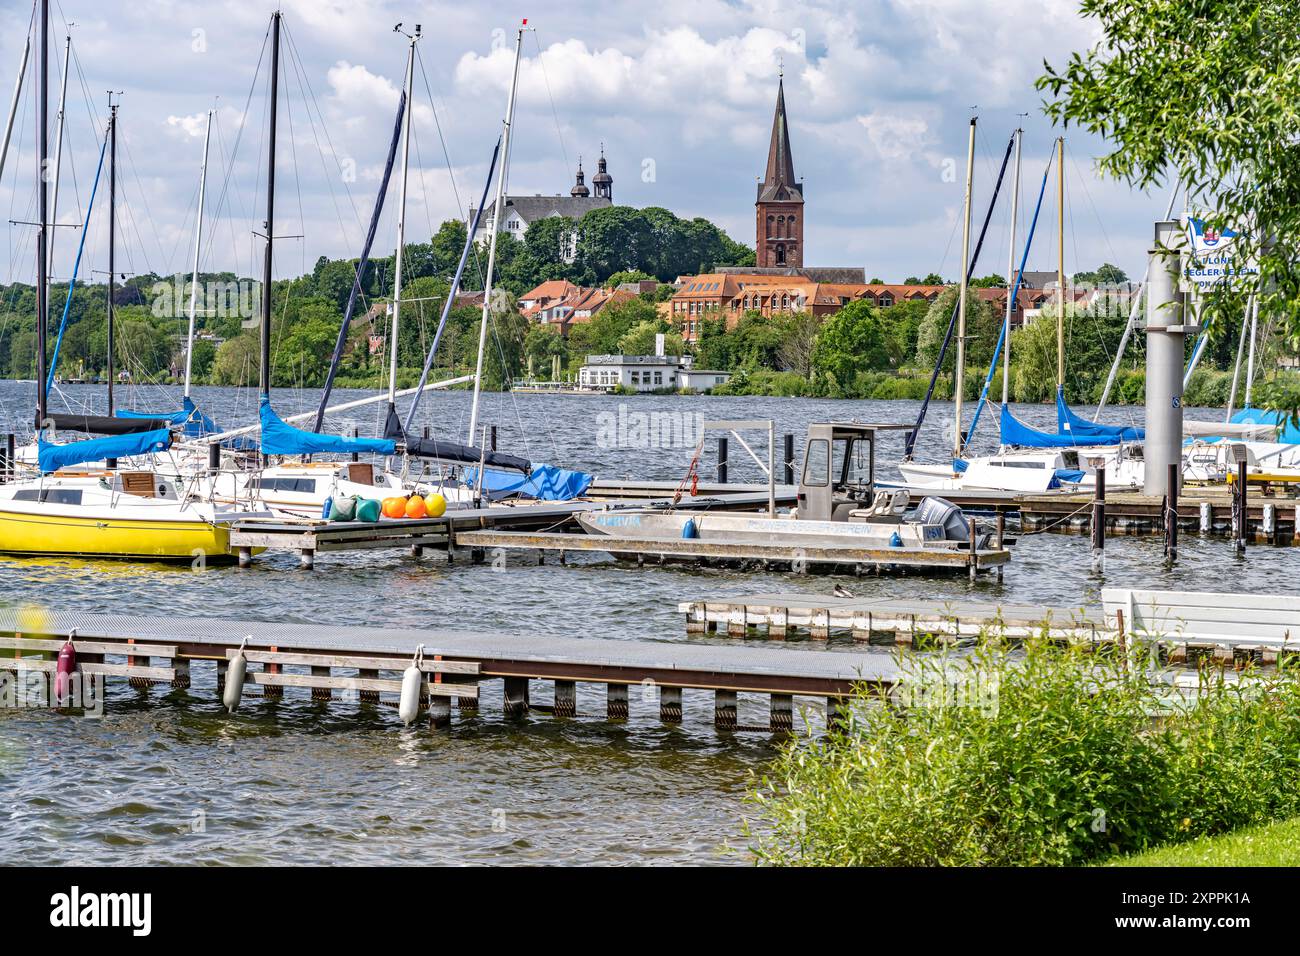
{"x":721,"y":552}
{"x":913,"y":623}
{"x":326,"y":660}
{"x":308,"y":536}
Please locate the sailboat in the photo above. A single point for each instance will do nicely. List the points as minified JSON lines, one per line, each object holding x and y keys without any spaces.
{"x":1029,"y":460}
{"x":118,"y":514}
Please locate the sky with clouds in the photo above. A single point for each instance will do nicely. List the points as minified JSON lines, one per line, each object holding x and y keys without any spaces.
{"x":680,"y":92}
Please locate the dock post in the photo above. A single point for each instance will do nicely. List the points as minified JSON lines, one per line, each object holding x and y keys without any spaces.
{"x":782,"y":713}
{"x":1295,"y":526}
{"x":566,"y":698}
{"x":616,"y":701}
{"x":1268,"y":523}
{"x":722,"y":460}
{"x":1166,"y":333}
{"x":222,"y":667}
{"x":439,"y":711}
{"x":245,"y":557}
{"x":788,"y":454}
{"x":1239,"y":504}
{"x":307,"y":559}
{"x":417,"y":550}
{"x":492,"y":431}
{"x":516,"y":696}
{"x":1001,"y":532}
{"x":1099,"y":520}
{"x":1207,"y":517}
{"x":1171,"y":511}
{"x":670,"y":704}
{"x":371,"y":696}
{"x":724,"y":709}
{"x":320,"y":693}
{"x":8,"y":467}
{"x":974,"y":555}
{"x":836,"y":714}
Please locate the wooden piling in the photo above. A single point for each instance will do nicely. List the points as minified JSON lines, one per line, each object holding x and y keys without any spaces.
{"x":516,"y":696}
{"x":616,"y":706}
{"x":566,"y":698}
{"x":782,"y":713}
{"x":724,"y":709}
{"x":670,"y":704}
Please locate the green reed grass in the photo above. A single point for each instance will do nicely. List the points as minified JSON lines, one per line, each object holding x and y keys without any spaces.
{"x":1033,"y":754}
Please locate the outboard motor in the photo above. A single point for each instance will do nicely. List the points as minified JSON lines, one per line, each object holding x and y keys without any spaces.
{"x":941,"y":511}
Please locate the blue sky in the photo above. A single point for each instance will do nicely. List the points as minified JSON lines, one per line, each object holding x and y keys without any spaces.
{"x":681,"y":93}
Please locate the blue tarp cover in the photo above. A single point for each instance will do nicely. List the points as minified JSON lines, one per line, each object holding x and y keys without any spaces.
{"x":546,"y":483}
{"x":1290,"y":433}
{"x":1015,"y":432}
{"x":1092,"y":433}
{"x":53,"y":457}
{"x":281,"y":439}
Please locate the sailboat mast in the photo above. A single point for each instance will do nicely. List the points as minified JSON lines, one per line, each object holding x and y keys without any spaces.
{"x":959,"y":377}
{"x":401,"y":219}
{"x":18,"y":93}
{"x":112,"y":239}
{"x":1011,"y":274}
{"x":42,"y":263}
{"x":498,"y":209}
{"x":1060,"y":262}
{"x":194,"y":273}
{"x":58,"y":151}
{"x":264,"y":367}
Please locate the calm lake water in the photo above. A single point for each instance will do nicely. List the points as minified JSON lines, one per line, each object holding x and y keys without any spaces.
{"x":167,"y":778}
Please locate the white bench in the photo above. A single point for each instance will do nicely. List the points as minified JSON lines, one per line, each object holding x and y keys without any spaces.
{"x":1227,"y":626}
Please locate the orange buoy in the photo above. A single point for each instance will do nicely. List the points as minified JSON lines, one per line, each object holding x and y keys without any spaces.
{"x":415,"y":507}
{"x":394,"y":507}
{"x":435,"y":505}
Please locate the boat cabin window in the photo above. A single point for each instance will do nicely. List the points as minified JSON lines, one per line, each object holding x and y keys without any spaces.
{"x":851,"y":461}
{"x":1019,"y":464}
{"x":53,"y":496}
{"x":817,"y":464}
{"x":307,"y":485}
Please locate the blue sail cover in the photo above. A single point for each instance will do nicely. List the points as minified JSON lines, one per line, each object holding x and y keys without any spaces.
{"x":1016,"y":432}
{"x":1290,"y":431}
{"x":196,"y":423}
{"x":1092,"y":433}
{"x":279,"y":438}
{"x":53,"y":457}
{"x":545,"y":483}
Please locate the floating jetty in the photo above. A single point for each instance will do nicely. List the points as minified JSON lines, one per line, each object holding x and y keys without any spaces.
{"x":366,"y":663}
{"x":1186,"y":626}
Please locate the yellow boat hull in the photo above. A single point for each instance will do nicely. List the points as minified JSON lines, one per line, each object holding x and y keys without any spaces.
{"x":158,"y":540}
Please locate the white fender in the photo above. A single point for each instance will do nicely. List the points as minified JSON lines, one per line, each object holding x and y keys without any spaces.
{"x":408,"y":707}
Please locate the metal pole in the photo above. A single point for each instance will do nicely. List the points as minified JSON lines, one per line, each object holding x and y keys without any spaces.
{"x":112,"y":233}
{"x":959,"y":373}
{"x":1166,"y":337}
{"x":788,"y":454}
{"x":194,"y":273}
{"x":771,"y":468}
{"x":401,"y":221}
{"x":1171,"y":511}
{"x":1250,"y":361}
{"x":1236,"y":368}
{"x":13,"y":105}
{"x":1099,"y":519}
{"x":1011,"y":272}
{"x":722,"y":460}
{"x":1133,"y":313}
{"x":264,"y":366}
{"x":58,"y":154}
{"x":1241,"y":506}
{"x":1060,"y":263}
{"x":498,"y":216}
{"x":42,"y":262}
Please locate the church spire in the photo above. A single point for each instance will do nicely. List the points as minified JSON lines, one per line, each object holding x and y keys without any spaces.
{"x":580,"y":187}
{"x":780,"y":163}
{"x":603,"y":181}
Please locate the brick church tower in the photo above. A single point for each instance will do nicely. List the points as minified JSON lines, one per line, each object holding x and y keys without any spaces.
{"x":779,"y":209}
